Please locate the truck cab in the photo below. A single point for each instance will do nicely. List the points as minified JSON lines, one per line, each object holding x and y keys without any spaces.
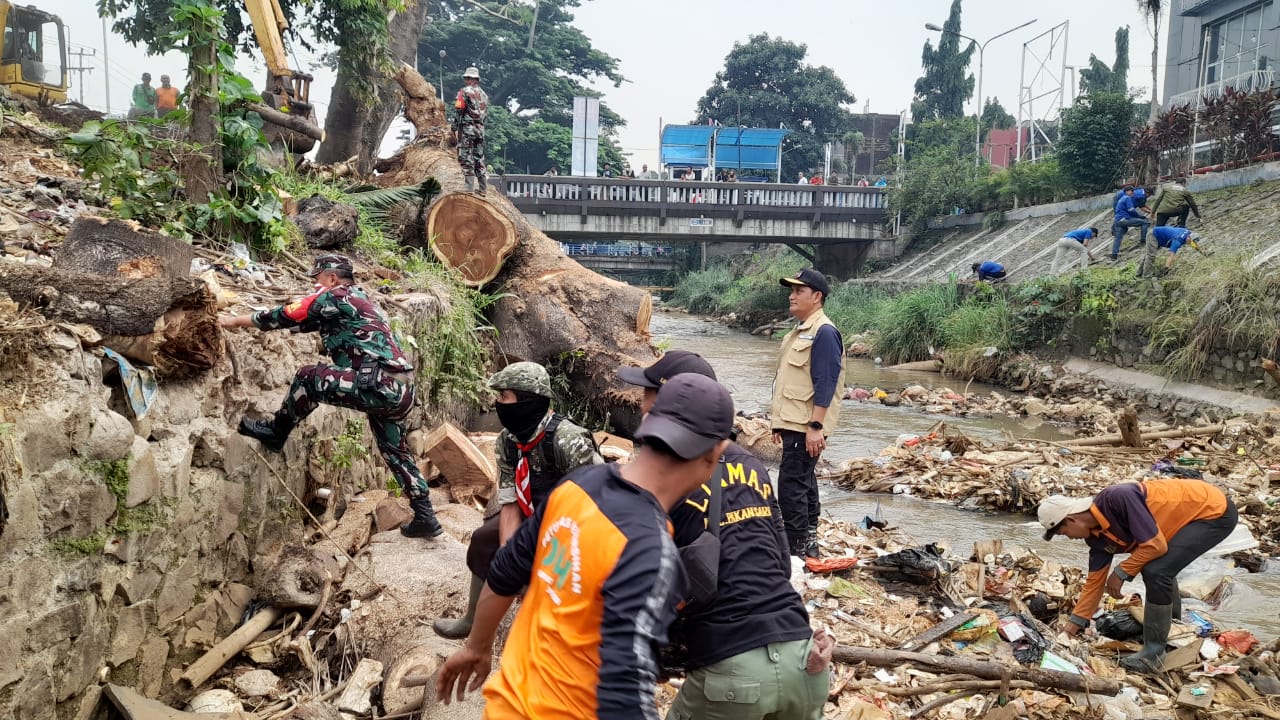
{"x":33,"y":53}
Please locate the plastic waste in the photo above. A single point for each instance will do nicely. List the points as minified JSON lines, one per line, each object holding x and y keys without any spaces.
{"x":1201,"y":623}
{"x":907,"y":440}
{"x":1124,"y":706}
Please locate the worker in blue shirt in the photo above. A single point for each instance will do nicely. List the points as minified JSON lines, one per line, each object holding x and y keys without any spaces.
{"x":1172,"y":238}
{"x":989,"y":271}
{"x":1076,"y":241}
{"x":1128,"y":213}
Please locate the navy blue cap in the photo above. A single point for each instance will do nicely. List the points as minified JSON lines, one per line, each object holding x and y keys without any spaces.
{"x":810,"y":278}
{"x":691,"y":414}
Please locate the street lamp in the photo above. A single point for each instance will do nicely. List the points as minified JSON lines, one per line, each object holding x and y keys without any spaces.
{"x":977,"y":113}
{"x":442,"y":54}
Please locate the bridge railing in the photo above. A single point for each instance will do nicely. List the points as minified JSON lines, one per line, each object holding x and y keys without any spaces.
{"x":551,"y":189}
{"x":615,"y":250}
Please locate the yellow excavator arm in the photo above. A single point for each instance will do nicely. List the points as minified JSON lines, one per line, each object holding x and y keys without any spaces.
{"x":287,"y":90}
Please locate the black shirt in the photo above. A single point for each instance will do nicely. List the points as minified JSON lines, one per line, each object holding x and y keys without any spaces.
{"x":755,"y":604}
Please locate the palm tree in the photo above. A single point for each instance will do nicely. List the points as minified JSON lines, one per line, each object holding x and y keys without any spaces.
{"x":1151,"y":10}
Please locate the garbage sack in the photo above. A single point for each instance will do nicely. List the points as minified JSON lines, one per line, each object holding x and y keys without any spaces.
{"x":1120,"y":625}
{"x":918,"y":566}
{"x":1239,"y":540}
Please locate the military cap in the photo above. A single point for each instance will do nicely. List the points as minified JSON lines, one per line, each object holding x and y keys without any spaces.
{"x":527,"y":377}
{"x":337,"y":263}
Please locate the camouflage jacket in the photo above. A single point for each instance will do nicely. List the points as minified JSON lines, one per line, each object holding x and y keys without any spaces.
{"x":350,"y":326}
{"x":471,"y":107}
{"x":573,"y":448}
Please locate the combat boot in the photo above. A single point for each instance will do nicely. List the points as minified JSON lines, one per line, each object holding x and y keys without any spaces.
{"x":460,"y":628}
{"x":468,"y":183}
{"x":271,"y":433}
{"x":811,"y":544}
{"x":1155,"y":637}
{"x":482,"y":184}
{"x":424,"y":523}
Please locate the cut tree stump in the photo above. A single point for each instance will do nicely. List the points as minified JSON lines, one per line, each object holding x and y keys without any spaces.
{"x":552,"y":311}
{"x":470,"y":237}
{"x":468,"y":472}
{"x":1130,"y":433}
{"x":122,"y":248}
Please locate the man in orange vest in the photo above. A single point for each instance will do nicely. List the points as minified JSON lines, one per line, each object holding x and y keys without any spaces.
{"x":1164,"y":525}
{"x":166,"y":97}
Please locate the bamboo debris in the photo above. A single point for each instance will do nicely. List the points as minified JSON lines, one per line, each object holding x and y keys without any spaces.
{"x":1052,"y":679}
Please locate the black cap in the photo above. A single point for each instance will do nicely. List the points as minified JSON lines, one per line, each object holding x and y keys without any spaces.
{"x":811,"y":278}
{"x":691,"y":414}
{"x":671,"y":364}
{"x":338,"y":263}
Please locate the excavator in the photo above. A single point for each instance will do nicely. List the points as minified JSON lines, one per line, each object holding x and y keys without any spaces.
{"x":288,"y":91}
{"x":28,"y":66}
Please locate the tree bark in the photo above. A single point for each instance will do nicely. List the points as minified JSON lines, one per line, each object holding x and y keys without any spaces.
{"x":1130,"y":433}
{"x":355,"y":131}
{"x":202,"y":168}
{"x":981,"y":669}
{"x":553,"y":311}
{"x":295,"y":123}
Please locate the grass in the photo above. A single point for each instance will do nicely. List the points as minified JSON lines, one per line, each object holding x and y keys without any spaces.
{"x":912,"y":327}
{"x":746,"y":287}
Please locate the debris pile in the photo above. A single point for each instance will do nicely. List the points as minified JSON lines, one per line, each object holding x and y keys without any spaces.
{"x":923,"y":634}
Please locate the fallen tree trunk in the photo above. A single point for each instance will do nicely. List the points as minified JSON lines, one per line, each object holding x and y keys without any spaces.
{"x":1051,"y":679}
{"x":553,"y":311}
{"x":295,"y":123}
{"x":470,"y":237}
{"x":1117,"y":438}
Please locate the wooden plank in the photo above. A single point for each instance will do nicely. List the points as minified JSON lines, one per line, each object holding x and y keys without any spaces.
{"x":466,"y":469}
{"x":938,"y":631}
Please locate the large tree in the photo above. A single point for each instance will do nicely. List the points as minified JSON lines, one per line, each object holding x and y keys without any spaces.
{"x":995,"y":116}
{"x":1094,"y":142}
{"x":1099,"y":78}
{"x":533,"y":61}
{"x":766,"y":83}
{"x":1152,"y":10}
{"x":946,"y":84}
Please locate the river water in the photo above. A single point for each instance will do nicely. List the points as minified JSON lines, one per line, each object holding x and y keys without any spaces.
{"x":745,"y":364}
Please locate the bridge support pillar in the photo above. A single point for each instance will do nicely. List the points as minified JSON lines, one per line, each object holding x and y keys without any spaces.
{"x":843,"y":260}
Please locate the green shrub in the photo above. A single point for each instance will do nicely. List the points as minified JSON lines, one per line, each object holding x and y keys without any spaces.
{"x":856,"y":308}
{"x":911,"y":326}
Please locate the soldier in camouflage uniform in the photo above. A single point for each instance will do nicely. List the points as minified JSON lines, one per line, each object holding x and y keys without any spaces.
{"x":471,"y":108}
{"x":536,"y":448}
{"x":369,"y":373}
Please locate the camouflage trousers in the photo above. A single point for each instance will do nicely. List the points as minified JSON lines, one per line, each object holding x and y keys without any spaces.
{"x":386,"y":405}
{"x":471,"y":150}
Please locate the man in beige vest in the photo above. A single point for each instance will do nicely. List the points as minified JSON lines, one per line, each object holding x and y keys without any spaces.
{"x":806,"y":405}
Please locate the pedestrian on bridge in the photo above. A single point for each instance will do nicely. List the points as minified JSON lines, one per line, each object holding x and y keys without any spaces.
{"x":471,"y":109}
{"x":1076,"y":241}
{"x":806,"y":405}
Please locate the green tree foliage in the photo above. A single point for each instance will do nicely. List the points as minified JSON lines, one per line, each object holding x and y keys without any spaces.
{"x":1098,"y":78}
{"x":766,"y":83}
{"x":995,"y":116}
{"x":1094,"y":142}
{"x":946,"y":84}
{"x":939,"y":172}
{"x":531,"y":86}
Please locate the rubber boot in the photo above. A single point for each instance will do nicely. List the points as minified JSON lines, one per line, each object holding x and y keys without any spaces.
{"x":811,"y":543}
{"x":1155,"y":637}
{"x":271,"y":433}
{"x":460,"y":628}
{"x":424,"y":523}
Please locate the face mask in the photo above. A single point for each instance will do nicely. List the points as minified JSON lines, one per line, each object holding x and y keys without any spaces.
{"x":521,"y":418}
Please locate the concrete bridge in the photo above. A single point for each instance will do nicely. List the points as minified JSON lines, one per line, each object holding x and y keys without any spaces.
{"x":835,"y":227}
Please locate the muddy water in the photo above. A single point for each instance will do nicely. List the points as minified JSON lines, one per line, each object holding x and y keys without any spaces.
{"x":745,"y":364}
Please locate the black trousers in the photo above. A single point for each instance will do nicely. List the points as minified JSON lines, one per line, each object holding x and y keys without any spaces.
{"x":483,"y":546}
{"x":797,"y":490}
{"x":1193,"y":540}
{"x":1181,"y":215}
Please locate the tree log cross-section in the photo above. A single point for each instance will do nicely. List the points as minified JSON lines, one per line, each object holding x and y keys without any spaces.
{"x":470,"y":237}
{"x":551,"y":310}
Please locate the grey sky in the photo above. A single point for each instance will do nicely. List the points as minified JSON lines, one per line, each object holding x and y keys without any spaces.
{"x":670,"y":50}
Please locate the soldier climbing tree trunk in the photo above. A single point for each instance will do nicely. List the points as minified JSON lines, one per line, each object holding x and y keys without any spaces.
{"x":553,"y":311}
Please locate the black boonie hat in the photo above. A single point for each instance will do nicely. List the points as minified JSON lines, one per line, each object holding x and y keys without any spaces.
{"x":810,"y":278}
{"x":339,"y":263}
{"x":691,"y":414}
{"x":674,"y":362}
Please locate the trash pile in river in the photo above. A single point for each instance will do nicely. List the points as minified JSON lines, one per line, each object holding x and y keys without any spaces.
{"x":925,"y":634}
{"x":1241,"y":456}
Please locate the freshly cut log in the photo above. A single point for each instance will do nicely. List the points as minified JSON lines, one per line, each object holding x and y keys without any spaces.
{"x":469,"y":473}
{"x":1051,"y":679}
{"x":470,"y":237}
{"x":553,"y":310}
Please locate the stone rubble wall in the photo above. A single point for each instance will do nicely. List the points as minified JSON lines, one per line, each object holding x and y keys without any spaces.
{"x":171,"y":571}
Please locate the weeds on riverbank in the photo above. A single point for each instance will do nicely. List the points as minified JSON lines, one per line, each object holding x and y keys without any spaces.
{"x":746,"y":287}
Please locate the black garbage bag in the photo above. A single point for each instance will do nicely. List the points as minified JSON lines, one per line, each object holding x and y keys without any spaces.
{"x":918,"y":566}
{"x":1120,"y":625}
{"x":1029,"y":649}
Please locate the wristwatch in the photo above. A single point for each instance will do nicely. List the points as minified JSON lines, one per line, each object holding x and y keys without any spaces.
{"x":815,"y":425}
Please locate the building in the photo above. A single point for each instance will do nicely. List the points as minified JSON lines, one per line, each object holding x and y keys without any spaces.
{"x":1214,"y":44}
{"x":1001,"y":146}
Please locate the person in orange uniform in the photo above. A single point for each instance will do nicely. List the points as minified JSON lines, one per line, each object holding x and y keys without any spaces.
{"x":1163,"y":524}
{"x":166,"y":97}
{"x":603,"y":575}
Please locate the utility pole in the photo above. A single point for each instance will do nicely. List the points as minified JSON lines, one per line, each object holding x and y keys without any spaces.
{"x":81,"y":68}
{"x":106,"y":76}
